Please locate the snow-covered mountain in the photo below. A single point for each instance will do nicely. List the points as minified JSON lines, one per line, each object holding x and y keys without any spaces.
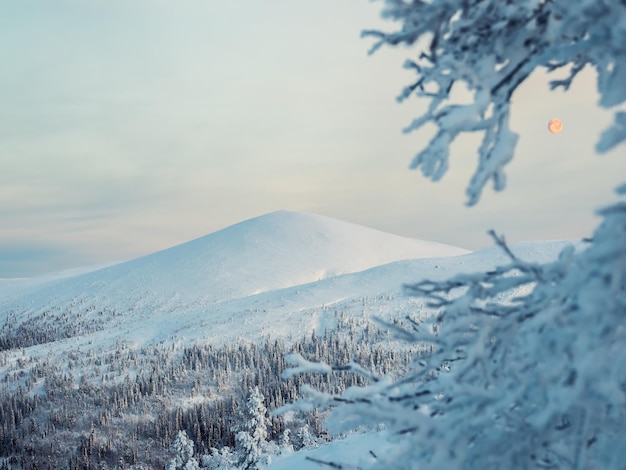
{"x":276,"y":275}
{"x":176,"y":330}
{"x":274,"y":251}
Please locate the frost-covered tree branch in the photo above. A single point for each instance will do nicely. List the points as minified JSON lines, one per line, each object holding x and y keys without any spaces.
{"x":492,"y":47}
{"x":527,"y":369}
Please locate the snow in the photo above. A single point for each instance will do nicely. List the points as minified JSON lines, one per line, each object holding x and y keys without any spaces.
{"x":273,"y":251}
{"x":19,"y":284}
{"x":534,"y":382}
{"x":280,"y":275}
{"x":351,"y":452}
{"x":217,"y":286}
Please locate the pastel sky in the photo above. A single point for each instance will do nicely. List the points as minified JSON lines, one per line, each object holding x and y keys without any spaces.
{"x":127,"y":127}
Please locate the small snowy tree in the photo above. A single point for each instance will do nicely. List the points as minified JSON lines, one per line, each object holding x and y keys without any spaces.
{"x":284,"y":444}
{"x":285,"y":438}
{"x":304,"y":437}
{"x":252,"y":448}
{"x":527,"y":363}
{"x":182,"y":448}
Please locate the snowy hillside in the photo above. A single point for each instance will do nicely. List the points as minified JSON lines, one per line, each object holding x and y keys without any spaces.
{"x":273,"y":251}
{"x":265,"y":276}
{"x":277,"y":275}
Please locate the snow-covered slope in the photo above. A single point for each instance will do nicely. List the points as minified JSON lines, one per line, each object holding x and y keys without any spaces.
{"x":135,"y":312}
{"x":274,"y":251}
{"x":281,"y":274}
{"x":350,"y":453}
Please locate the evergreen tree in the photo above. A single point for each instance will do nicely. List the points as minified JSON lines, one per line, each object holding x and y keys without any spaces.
{"x":304,"y":437}
{"x":182,"y":448}
{"x":252,"y":448}
{"x":219,"y":459}
{"x":284,"y":444}
{"x":491,"y":47}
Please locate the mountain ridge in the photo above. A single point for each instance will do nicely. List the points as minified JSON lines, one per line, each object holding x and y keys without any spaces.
{"x":273,"y":251}
{"x":97,"y":323}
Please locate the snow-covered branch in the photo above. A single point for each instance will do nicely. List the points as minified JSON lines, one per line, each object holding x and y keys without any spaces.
{"x":301,"y":366}
{"x":526,"y":363}
{"x":491,"y":47}
{"x":526,"y":371}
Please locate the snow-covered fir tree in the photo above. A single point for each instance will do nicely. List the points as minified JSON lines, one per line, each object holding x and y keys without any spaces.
{"x":183,"y":449}
{"x":252,"y":449}
{"x":304,"y":438}
{"x":527,"y":363}
{"x":284,"y":444}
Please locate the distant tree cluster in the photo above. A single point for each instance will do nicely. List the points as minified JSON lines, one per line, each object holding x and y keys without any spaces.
{"x":253,"y":447}
{"x":26,"y":329}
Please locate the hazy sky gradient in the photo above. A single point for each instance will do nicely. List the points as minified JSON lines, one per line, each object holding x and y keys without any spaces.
{"x":130,"y":126}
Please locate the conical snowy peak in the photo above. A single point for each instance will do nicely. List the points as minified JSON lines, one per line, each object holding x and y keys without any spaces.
{"x":282,"y":249}
{"x":273,"y":251}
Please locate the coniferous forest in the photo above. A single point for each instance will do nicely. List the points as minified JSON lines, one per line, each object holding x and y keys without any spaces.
{"x":124,"y":408}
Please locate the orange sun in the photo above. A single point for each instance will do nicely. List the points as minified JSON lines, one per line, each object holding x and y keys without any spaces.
{"x":555,"y":126}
